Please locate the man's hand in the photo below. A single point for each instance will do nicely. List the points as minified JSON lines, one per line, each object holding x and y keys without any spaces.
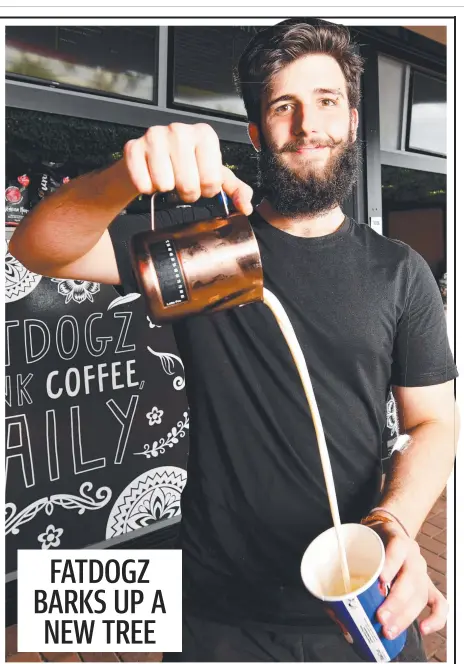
{"x":187,"y":158}
{"x":411,"y":588}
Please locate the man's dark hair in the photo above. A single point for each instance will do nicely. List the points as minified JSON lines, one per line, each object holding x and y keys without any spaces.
{"x":271,"y":49}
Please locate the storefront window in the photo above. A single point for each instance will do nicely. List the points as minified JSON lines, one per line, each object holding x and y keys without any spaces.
{"x":113,"y":60}
{"x":423,"y":126}
{"x":203,"y":62}
{"x":427,"y":122}
{"x":414,"y":211}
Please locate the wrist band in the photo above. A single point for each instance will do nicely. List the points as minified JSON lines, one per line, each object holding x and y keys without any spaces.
{"x":372,"y":518}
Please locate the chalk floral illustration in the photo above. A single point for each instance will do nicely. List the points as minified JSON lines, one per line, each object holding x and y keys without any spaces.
{"x":77,"y":290}
{"x":173,"y":437}
{"x":151,"y":497}
{"x":155,"y":416}
{"x":51,"y":537}
{"x":168,"y":362}
{"x":19,"y":281}
{"x":123,"y":299}
{"x":84,"y":501}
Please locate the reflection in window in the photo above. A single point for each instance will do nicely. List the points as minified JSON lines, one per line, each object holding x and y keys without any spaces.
{"x":115,"y":60}
{"x":414,"y":211}
{"x":408,"y":185}
{"x":427,"y":127}
{"x":204,"y":59}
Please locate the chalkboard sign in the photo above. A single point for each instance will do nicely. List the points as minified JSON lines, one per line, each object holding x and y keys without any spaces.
{"x":96,"y":415}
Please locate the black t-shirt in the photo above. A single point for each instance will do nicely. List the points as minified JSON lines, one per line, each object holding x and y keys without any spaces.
{"x":367,"y":313}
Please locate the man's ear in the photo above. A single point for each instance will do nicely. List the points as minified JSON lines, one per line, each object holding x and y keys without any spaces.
{"x":253,"y":133}
{"x":354,"y":122}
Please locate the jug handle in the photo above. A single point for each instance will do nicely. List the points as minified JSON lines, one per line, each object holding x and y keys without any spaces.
{"x":152,"y":206}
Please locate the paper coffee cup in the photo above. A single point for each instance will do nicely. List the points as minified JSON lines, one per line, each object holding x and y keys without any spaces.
{"x":355,"y":612}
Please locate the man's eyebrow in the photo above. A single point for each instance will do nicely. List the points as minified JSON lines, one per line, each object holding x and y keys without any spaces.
{"x":317,"y":91}
{"x":279,"y":99}
{"x":329,"y":91}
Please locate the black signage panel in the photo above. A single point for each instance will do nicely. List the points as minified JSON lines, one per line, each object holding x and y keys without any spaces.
{"x":96,"y":414}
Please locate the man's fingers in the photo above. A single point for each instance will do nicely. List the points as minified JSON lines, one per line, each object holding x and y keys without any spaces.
{"x":137,"y":167}
{"x":158,"y":160}
{"x":396,"y":552}
{"x":240,"y":192}
{"x":182,"y":140}
{"x":439,"y":611}
{"x":209,"y":160}
{"x":404,"y":603}
{"x":186,"y":158}
{"x":405,"y":569}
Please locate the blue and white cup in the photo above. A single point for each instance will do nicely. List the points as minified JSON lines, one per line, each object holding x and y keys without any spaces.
{"x":354,"y":612}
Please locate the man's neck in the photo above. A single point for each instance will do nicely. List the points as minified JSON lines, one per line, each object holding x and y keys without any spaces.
{"x":305,"y":225}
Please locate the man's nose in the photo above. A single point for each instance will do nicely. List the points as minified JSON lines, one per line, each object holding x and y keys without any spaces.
{"x":306,"y":120}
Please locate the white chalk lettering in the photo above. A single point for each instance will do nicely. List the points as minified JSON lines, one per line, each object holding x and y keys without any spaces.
{"x":114,"y":376}
{"x":53,"y":395}
{"x":33,"y":355}
{"x":52,"y":446}
{"x":81,"y":466}
{"x":67,"y":338}
{"x":21,"y":384}
{"x":8,"y":395}
{"x":75,"y":378}
{"x":18,"y":423}
{"x":125,"y":419}
{"x":120,"y":346}
{"x":129,"y":374}
{"x":97,"y":346}
{"x":72,"y":391}
{"x":64,"y":322}
{"x":8,"y":325}
{"x":101,"y":375}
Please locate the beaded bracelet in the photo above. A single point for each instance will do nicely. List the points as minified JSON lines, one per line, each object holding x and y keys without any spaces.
{"x":375,"y":517}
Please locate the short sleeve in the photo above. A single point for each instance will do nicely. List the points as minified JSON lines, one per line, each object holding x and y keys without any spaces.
{"x":422,"y":354}
{"x":121,"y":231}
{"x":126,"y":225}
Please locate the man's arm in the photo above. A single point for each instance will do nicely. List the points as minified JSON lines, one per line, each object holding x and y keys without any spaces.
{"x":66,"y":235}
{"x":418,"y":475}
{"x":413,"y":484}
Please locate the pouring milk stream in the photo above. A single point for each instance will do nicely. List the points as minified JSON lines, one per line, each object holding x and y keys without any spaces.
{"x":210,"y":266}
{"x":295,"y":349}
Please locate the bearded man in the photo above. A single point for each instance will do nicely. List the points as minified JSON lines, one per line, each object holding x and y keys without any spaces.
{"x":368,"y":315}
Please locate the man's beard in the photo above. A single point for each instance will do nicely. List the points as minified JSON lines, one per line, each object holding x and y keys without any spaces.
{"x":314,"y":192}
